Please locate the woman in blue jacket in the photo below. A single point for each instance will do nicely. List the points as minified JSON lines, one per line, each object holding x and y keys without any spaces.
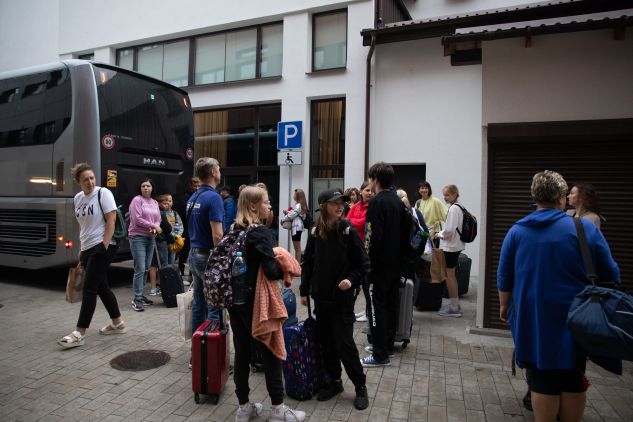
{"x":540,"y":271}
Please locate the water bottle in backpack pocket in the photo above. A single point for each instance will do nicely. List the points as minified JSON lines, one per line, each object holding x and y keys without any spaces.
{"x":238,"y":279}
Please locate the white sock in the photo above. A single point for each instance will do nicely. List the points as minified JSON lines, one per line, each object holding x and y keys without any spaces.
{"x":454,"y":302}
{"x":277,"y":406}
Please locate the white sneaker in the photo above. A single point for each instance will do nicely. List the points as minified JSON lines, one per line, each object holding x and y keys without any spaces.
{"x":248,"y":412}
{"x":285,"y":414}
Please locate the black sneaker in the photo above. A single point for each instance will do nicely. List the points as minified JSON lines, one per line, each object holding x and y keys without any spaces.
{"x":330,"y":390}
{"x":146,"y":301}
{"x":361,"y":401}
{"x":137,"y":305}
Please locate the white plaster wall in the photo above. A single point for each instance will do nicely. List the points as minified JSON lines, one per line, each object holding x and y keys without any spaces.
{"x":426,"y":111}
{"x":298,"y":86}
{"x":423,"y":9}
{"x":29,"y":33}
{"x":574,"y":76}
{"x":90,"y":24}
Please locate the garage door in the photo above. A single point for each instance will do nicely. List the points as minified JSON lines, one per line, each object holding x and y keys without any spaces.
{"x":597,"y":152}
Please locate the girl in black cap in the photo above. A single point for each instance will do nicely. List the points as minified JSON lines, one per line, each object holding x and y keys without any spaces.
{"x":334,"y":265}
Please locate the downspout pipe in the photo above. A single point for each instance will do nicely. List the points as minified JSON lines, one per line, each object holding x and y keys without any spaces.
{"x":368,"y":99}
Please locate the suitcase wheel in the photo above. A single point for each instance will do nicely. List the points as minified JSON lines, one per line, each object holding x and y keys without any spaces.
{"x":196,"y":398}
{"x":405,"y":343}
{"x":214,"y":398}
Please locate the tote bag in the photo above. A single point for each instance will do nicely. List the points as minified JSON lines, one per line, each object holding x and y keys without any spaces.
{"x":438,"y":265}
{"x":75,"y":284}
{"x":184,"y":301}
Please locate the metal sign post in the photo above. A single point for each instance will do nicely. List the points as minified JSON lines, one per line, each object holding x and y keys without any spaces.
{"x":289,"y":144}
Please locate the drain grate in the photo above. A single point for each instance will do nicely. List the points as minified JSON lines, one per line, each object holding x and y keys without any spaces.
{"x":140,"y":360}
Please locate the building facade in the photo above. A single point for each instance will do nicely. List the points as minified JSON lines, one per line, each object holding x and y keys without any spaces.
{"x":479,"y":94}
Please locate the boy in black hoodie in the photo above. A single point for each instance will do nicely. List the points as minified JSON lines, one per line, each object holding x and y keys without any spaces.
{"x":333,"y":268}
{"x":382,"y":241}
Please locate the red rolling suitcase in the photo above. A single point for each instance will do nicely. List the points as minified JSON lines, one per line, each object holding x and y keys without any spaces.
{"x":210,"y":359}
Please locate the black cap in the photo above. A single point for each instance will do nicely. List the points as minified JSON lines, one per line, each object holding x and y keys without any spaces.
{"x":332,"y":195}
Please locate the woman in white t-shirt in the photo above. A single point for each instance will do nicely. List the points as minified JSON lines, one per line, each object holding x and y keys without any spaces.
{"x":96,"y":227}
{"x":452,"y":245}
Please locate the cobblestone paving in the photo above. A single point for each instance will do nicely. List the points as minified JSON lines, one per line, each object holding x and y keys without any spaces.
{"x":445,"y":374}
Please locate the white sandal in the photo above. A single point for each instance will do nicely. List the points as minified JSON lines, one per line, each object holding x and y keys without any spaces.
{"x":74,"y":339}
{"x":113,"y":329}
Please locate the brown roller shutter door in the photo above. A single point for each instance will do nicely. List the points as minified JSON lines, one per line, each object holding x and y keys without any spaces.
{"x":597,"y":152}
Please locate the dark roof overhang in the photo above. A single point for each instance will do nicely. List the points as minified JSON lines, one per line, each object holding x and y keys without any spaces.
{"x":529,"y":29}
{"x":448,"y":25}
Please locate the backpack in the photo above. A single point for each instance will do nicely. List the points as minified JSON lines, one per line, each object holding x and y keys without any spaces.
{"x":469,"y":226}
{"x":120,"y":225}
{"x":308,"y":221}
{"x":218,"y":289}
{"x":413,"y":237}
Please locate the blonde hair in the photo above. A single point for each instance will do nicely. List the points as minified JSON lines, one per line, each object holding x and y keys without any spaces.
{"x":250,"y":195}
{"x":548,"y":187}
{"x":301,"y":199}
{"x":402,"y":194}
{"x":452,"y":189}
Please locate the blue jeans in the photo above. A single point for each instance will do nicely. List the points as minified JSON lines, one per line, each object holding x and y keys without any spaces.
{"x":200,"y":311}
{"x":163,"y":253}
{"x":142,"y":248}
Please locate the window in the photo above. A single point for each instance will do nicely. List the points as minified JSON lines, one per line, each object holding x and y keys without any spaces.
{"x":35,"y":109}
{"x":327,"y":145}
{"x":210,"y":59}
{"x":271,"y":51}
{"x":329,"y":40}
{"x":88,"y":56}
{"x":237,"y":55}
{"x":241,"y":55}
{"x":125,"y":58}
{"x":244,"y":141}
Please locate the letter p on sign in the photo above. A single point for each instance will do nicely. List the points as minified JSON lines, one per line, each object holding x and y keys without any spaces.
{"x":289,"y":135}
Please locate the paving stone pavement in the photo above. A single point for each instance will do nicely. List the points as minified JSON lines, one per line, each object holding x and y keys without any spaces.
{"x":445,"y":374}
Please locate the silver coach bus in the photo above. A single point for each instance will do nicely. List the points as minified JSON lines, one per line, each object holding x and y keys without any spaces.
{"x":126,"y":125}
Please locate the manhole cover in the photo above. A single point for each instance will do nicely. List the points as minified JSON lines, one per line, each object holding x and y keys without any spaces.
{"x":140,"y":360}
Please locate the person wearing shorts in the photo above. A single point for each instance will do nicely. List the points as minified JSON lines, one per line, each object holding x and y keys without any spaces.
{"x":452,"y":245}
{"x":540,"y":271}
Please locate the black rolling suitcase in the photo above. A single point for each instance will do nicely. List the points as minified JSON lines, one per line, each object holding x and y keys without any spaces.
{"x":462,"y":273}
{"x":170,"y":282}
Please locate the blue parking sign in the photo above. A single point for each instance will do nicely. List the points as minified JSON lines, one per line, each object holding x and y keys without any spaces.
{"x":289,"y":135}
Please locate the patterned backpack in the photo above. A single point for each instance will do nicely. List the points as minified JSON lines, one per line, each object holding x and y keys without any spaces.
{"x":218,"y":290}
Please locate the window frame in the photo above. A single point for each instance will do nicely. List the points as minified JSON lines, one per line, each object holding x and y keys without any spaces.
{"x":314,"y":17}
{"x":192,"y":54}
{"x":314,"y":168}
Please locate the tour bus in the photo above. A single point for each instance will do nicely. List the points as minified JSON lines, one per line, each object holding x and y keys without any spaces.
{"x":125,"y":125}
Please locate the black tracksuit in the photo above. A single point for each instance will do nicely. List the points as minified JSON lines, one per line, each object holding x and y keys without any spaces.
{"x":382,"y":241}
{"x":259,"y":252}
{"x":326,"y":263}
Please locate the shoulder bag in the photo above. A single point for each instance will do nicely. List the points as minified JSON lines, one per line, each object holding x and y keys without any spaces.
{"x":600,"y":318}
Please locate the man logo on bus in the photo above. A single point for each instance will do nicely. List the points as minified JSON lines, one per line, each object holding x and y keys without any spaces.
{"x":107,"y":141}
{"x":154,"y":162}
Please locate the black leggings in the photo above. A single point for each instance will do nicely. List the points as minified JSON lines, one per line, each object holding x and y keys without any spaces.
{"x":241,"y":322}
{"x":96,"y":262}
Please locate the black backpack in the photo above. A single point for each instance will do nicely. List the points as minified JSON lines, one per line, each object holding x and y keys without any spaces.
{"x":469,"y":226}
{"x":308,"y":221}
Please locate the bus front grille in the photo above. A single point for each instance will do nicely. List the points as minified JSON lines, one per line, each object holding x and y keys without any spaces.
{"x":28,"y":232}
